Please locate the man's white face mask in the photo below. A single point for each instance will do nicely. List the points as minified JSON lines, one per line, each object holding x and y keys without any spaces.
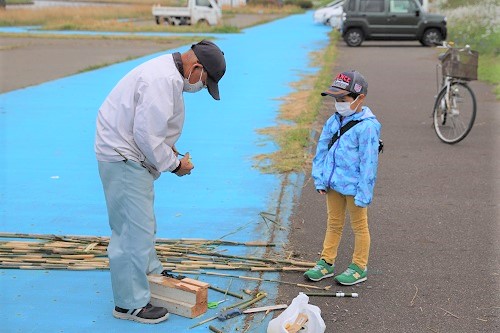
{"x":193,"y":87}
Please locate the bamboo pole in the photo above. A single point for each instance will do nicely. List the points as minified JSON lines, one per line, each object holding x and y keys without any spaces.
{"x":99,"y":239}
{"x":228,"y":292}
{"x":43,"y":251}
{"x":256,"y":279}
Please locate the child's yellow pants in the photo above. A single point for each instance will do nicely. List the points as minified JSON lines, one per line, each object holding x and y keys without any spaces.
{"x":336,"y":204}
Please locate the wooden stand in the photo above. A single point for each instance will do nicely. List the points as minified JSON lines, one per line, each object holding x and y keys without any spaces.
{"x":186,"y":297}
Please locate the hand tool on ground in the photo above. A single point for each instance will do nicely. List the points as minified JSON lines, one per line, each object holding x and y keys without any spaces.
{"x":257,"y":298}
{"x":213,"y":305}
{"x":336,"y":294}
{"x":225,"y":315}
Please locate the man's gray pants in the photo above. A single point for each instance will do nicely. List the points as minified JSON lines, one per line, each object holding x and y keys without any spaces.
{"x":129,"y":191}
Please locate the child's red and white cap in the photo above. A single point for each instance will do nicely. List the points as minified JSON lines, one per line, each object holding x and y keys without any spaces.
{"x":346,"y":83}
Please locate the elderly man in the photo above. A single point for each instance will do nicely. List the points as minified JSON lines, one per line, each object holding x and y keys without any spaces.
{"x":137,"y":128}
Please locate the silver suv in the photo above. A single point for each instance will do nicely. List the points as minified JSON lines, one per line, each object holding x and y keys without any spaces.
{"x":391,"y":20}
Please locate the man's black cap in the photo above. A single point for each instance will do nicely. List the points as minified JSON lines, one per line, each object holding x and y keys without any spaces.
{"x":212,"y":59}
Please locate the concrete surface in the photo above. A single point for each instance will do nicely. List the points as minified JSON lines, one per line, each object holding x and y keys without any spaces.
{"x":435,"y":252}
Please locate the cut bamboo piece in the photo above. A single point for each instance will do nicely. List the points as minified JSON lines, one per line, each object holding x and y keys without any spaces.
{"x":264,"y":269}
{"x":294,"y":269}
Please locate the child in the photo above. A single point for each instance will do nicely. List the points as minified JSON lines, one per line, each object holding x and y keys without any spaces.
{"x":345,"y":171}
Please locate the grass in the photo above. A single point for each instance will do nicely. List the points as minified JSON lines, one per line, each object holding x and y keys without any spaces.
{"x":129,"y":18}
{"x":477,"y":25}
{"x":160,"y":40}
{"x":98,"y":18}
{"x":296,"y":117}
{"x":450,"y":4}
{"x":79,"y":15}
{"x":489,"y":71}
{"x":105,"y":64}
{"x":19,"y":2}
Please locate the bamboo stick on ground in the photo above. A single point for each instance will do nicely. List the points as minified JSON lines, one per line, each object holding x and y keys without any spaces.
{"x":256,"y":279}
{"x":223,"y":291}
{"x":66,"y":252}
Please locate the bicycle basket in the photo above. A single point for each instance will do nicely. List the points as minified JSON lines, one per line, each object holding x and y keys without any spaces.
{"x":460,"y":63}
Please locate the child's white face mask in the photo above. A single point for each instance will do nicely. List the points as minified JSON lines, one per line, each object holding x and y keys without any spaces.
{"x":344,"y":108}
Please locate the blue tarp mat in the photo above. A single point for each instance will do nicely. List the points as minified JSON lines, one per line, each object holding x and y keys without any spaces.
{"x":50,"y":184}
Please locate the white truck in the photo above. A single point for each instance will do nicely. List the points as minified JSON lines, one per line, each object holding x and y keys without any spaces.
{"x":196,"y":12}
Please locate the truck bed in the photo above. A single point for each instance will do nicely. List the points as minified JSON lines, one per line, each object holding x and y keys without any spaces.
{"x":171,"y":11}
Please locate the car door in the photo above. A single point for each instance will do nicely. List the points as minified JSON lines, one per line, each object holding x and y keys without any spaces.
{"x":403,"y":18}
{"x":373,"y":11}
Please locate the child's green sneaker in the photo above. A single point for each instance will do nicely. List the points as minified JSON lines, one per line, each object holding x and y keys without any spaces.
{"x":352,"y":275}
{"x":321,"y":271}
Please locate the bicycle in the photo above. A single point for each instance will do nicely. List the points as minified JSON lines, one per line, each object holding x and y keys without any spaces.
{"x":455,"y":106}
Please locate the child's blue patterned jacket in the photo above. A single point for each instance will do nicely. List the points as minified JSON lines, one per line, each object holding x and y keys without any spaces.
{"x":350,"y":166}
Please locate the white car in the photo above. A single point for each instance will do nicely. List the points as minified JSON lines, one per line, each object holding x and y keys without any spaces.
{"x":330,"y":14}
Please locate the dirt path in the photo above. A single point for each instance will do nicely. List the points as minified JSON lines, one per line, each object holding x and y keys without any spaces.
{"x":26,"y":61}
{"x":30,"y":61}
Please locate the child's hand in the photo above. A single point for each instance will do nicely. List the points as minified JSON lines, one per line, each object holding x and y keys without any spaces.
{"x":321,"y":191}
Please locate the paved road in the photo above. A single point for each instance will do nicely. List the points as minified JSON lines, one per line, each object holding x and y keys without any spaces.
{"x":434,"y":264}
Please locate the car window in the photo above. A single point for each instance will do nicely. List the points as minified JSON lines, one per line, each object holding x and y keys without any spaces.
{"x":402,"y":6}
{"x":371,"y":6}
{"x":351,"y":5}
{"x":205,"y":3}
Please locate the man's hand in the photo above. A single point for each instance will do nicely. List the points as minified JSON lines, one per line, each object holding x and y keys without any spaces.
{"x":321,"y":191}
{"x":186,"y":166}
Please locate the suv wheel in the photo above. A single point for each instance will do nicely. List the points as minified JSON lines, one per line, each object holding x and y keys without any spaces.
{"x":431,"y":37}
{"x":354,"y":37}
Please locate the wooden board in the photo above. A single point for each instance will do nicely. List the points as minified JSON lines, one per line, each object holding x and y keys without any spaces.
{"x":178,"y":307}
{"x":186,"y":297}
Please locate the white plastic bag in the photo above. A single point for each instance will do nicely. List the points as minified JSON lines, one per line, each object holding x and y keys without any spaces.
{"x":300,"y":304}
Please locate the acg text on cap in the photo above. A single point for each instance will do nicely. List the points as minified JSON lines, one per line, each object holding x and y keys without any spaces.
{"x":347,"y":82}
{"x":213,"y":61}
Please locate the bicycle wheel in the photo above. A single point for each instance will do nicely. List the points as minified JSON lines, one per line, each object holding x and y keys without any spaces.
{"x":454,"y":119}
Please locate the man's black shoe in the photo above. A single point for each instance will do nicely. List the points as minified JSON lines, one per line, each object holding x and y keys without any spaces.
{"x":147,"y":315}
